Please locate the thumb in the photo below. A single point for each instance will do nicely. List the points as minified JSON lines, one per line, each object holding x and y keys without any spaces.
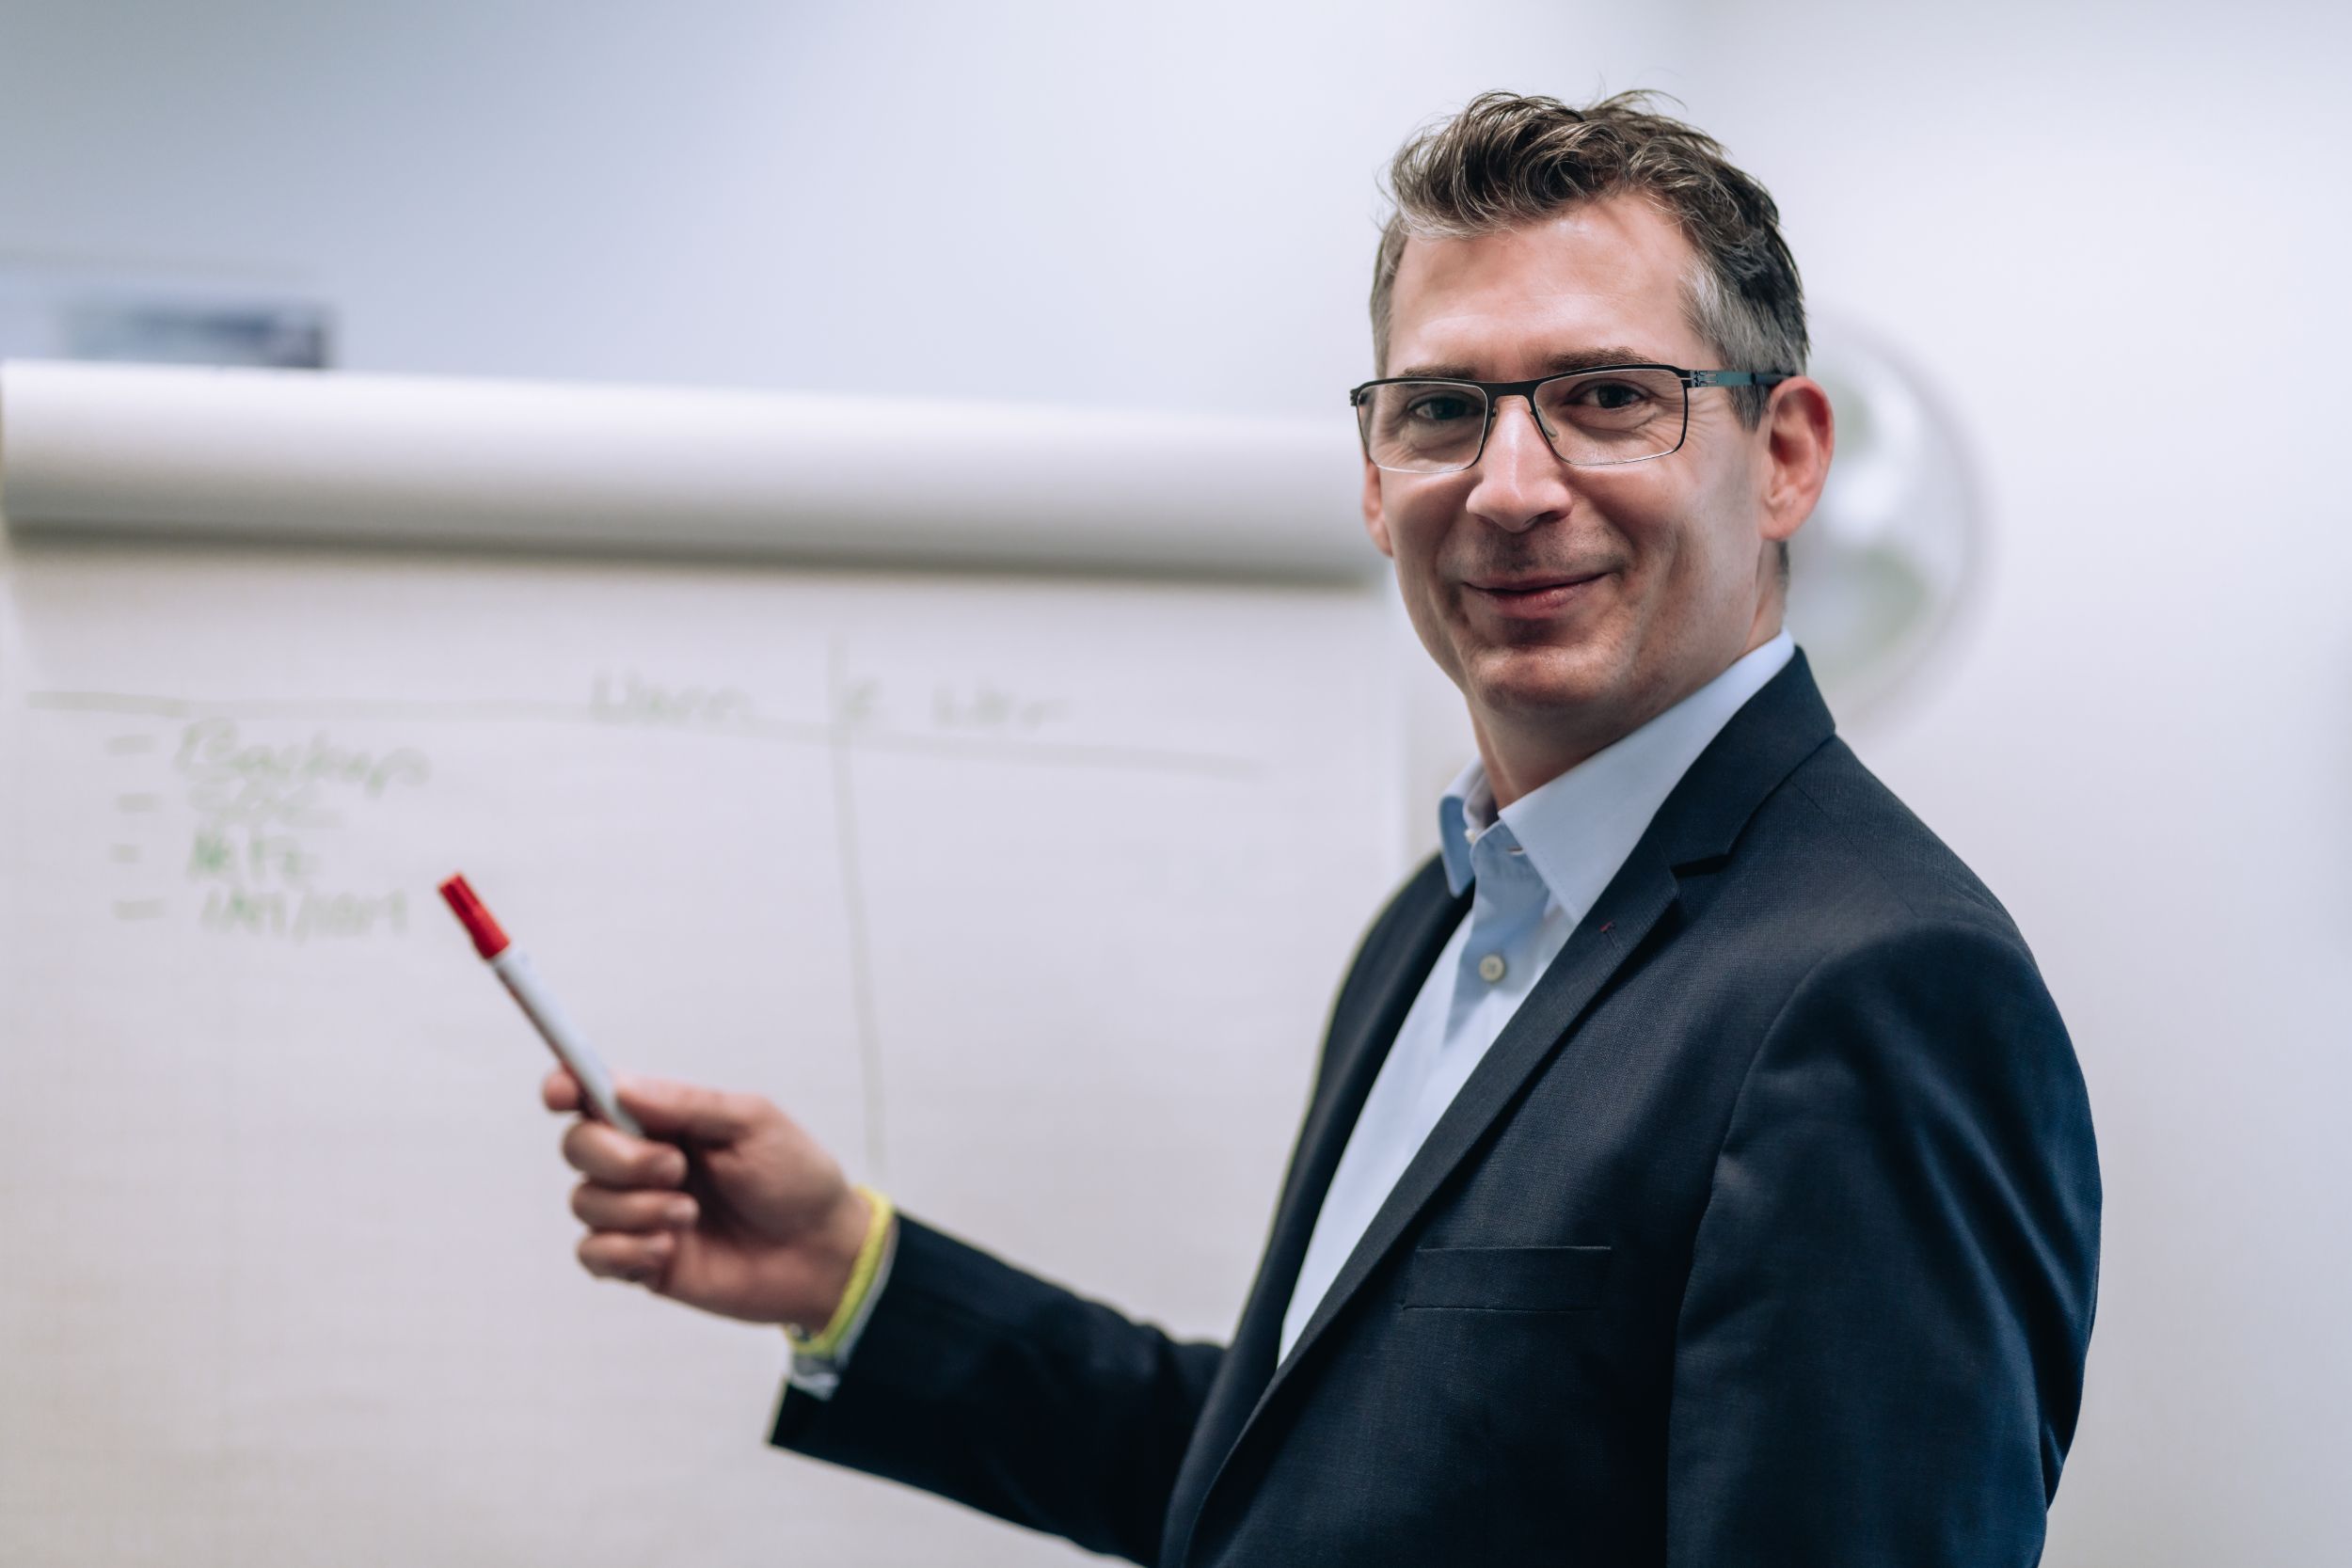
{"x":666,"y":1107}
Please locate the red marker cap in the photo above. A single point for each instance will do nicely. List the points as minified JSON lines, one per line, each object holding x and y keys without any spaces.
{"x":488,"y":939}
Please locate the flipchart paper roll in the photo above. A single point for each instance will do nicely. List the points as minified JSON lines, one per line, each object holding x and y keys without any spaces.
{"x":311,"y":456}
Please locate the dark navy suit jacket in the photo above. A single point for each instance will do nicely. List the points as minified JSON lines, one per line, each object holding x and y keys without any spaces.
{"x":1766,"y":1232}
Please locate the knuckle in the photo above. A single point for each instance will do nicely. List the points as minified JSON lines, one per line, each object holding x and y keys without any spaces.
{"x":603,"y":1154}
{"x":578,"y":1146}
{"x":610,"y":1212}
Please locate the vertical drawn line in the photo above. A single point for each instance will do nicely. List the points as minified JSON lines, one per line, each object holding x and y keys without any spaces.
{"x":233,"y":1373}
{"x":841,"y":717}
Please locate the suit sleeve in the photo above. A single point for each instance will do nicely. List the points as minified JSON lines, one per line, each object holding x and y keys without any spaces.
{"x":1005,"y":1392}
{"x":1880,"y":1351}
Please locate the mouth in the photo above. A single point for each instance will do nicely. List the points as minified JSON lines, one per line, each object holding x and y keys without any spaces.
{"x":1534,"y":597}
{"x":1531,"y":584}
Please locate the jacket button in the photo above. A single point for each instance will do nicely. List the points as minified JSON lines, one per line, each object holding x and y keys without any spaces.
{"x":1490,"y":968}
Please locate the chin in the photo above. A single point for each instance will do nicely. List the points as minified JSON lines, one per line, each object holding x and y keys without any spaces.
{"x":1543,"y":680}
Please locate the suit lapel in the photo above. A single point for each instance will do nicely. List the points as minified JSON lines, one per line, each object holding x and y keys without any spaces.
{"x":1630,"y":905}
{"x":1701,"y":820}
{"x":1426,"y":917}
{"x":1400,"y":959}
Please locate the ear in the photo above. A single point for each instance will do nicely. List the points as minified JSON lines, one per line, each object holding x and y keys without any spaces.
{"x":1798,"y":433}
{"x":1375,"y":518}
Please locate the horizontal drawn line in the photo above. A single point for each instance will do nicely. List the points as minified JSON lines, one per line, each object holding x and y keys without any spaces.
{"x":191,"y":708}
{"x":784,"y":731}
{"x":139,"y":802}
{"x":102,"y":701}
{"x":138,"y":908}
{"x":124,"y":853}
{"x":1137,"y":757}
{"x":128,"y":745}
{"x":801,"y":732}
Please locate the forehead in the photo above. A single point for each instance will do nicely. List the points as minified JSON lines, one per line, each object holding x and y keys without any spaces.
{"x":1606,"y":273}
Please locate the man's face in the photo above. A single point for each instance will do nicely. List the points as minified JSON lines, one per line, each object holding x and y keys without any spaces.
{"x":1571,"y":605}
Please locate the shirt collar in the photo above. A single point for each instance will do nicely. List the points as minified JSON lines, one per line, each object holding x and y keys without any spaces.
{"x":1576,"y":829}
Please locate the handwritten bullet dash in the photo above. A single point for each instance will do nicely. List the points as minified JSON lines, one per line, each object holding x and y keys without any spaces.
{"x":125,"y":745}
{"x":125,"y":853}
{"x":138,"y":802}
{"x":138,"y":908}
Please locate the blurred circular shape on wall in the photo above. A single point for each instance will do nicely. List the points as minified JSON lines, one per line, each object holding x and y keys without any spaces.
{"x":1894,"y":551}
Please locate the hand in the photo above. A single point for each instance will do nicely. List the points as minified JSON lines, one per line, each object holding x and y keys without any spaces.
{"x":725,"y":1204}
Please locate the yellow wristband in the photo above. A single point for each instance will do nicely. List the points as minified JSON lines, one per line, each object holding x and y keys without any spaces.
{"x":860,"y":1280}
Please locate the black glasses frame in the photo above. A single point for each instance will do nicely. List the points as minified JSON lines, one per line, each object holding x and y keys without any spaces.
{"x":1495,"y":391}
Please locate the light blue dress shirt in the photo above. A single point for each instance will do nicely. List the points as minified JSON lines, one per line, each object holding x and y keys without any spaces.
{"x":1537,"y":867}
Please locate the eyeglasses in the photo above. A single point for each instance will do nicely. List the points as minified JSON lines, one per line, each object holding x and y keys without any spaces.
{"x":1608,"y":414}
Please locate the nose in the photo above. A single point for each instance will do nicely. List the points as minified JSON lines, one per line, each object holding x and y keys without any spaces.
{"x":1521,"y":481}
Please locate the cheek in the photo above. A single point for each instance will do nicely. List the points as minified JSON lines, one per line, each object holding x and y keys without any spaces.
{"x":1639,"y":518}
{"x":1417,"y":532}
{"x":1670,"y":535}
{"x":1417,"y":539}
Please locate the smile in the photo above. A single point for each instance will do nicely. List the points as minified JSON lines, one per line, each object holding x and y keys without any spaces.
{"x":1536,"y":597}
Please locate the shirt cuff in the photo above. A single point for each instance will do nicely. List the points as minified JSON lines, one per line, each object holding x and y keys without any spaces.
{"x":819,"y":1360}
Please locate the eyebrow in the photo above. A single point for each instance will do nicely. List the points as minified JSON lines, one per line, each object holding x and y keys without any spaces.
{"x":1571,"y":359}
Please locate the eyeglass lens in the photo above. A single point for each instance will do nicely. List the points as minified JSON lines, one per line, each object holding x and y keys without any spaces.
{"x":1619,"y":415}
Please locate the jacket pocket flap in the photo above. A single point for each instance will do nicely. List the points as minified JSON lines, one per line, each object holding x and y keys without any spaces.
{"x":1507,"y":1279}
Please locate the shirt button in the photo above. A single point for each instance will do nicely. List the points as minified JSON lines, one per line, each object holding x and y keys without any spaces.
{"x":1490,"y":968}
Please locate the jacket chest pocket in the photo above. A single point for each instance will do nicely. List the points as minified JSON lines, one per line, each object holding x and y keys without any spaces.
{"x":1506,"y":1279}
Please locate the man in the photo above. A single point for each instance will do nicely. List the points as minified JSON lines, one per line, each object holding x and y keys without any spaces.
{"x":1698,"y":1171}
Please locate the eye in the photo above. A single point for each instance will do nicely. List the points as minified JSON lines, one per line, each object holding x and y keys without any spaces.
{"x":1609,"y":396}
{"x":1441,"y":407}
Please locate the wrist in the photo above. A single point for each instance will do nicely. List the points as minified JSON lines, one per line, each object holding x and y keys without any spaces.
{"x":850,"y":1247}
{"x":844,"y":1234}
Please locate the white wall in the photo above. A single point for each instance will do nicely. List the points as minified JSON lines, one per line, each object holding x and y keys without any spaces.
{"x":1075,"y":201}
{"x":2116,"y":239}
{"x":2113,"y":239}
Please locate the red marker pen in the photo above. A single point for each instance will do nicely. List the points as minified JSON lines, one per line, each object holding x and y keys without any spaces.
{"x":514,"y":969}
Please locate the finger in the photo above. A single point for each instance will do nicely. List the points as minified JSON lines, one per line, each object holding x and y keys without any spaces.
{"x":638,"y":1212}
{"x":560,"y":1092}
{"x":689,"y":1110}
{"x":611,"y":1158}
{"x":639,"y":1259}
